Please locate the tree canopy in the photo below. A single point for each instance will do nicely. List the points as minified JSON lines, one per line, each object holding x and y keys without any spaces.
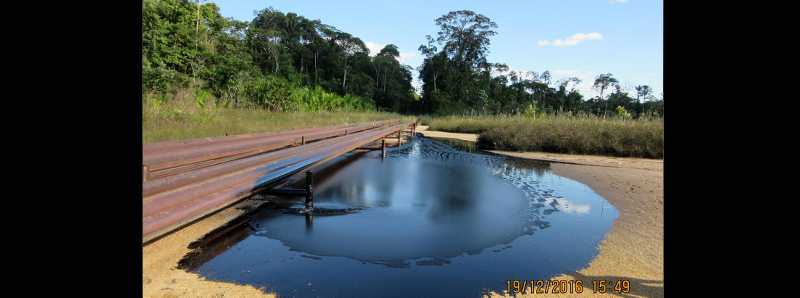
{"x":184,"y":42}
{"x":260,"y":61}
{"x":457,"y":78}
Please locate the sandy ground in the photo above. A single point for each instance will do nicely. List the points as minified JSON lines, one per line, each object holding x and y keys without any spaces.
{"x":447,"y":135}
{"x":634,"y":248}
{"x":160,"y":258}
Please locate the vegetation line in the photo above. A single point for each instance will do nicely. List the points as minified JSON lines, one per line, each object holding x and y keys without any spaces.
{"x":205,"y":75}
{"x":285,"y":62}
{"x":181,"y":118}
{"x":587,"y":134}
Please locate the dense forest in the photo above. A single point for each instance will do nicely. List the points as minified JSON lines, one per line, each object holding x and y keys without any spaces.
{"x":269,"y":61}
{"x":285,"y":62}
{"x":457,"y":78}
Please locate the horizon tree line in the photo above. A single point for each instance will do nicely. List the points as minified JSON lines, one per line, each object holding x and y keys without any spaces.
{"x":189,"y":44}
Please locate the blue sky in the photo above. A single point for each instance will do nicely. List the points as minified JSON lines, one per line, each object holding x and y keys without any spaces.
{"x":579,"y":38}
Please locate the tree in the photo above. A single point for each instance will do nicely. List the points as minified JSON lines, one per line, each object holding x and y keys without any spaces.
{"x":643,"y":92}
{"x":266,"y":61}
{"x":621,"y":98}
{"x":389,"y":50}
{"x":385,"y":62}
{"x":602,"y":82}
{"x":565,"y":83}
{"x":455,"y":72}
{"x":266,"y":36}
{"x":319,"y":34}
{"x":545,"y":77}
{"x":429,"y":51}
{"x":183,"y":42}
{"x":392,"y":80}
{"x":465,"y":36}
{"x":351,"y":46}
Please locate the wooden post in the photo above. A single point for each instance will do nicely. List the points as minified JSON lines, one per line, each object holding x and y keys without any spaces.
{"x":302,"y":140}
{"x":383,"y":148}
{"x":145,"y":172}
{"x":309,"y":222}
{"x":309,"y":191}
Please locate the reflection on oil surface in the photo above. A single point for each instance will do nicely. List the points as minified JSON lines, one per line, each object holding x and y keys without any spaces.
{"x":429,"y":220}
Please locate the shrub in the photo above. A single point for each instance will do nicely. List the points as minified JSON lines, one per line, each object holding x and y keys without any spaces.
{"x":530,"y":110}
{"x":622,"y":113}
{"x":270,"y":93}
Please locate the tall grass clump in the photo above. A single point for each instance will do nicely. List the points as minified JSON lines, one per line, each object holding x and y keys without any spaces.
{"x":425,"y":119}
{"x":572,"y":134}
{"x":471,"y":124}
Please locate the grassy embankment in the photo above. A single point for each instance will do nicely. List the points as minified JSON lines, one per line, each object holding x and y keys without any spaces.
{"x":183,"y":116}
{"x":561,"y":134}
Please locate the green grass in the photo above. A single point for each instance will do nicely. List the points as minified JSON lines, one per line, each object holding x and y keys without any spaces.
{"x":183,"y":117}
{"x":561,"y":134}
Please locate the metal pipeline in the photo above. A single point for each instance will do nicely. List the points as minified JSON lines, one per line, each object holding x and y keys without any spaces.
{"x":193,"y":195}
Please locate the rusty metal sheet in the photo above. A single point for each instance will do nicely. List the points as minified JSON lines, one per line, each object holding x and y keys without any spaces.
{"x":173,"y":145}
{"x":211,"y":152}
{"x":205,"y":193}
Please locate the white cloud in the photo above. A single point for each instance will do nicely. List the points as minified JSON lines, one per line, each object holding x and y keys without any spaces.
{"x":568,"y":207}
{"x":572,"y":40}
{"x":405,"y":57}
{"x":374,"y":48}
{"x":619,"y":1}
{"x":521,"y":73}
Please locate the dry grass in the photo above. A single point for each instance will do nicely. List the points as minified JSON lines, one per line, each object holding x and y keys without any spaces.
{"x":562,"y":134}
{"x":184,"y":117}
